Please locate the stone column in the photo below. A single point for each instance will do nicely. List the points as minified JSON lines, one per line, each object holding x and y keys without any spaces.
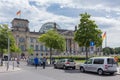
{"x":66,"y":45}
{"x":70,"y":47}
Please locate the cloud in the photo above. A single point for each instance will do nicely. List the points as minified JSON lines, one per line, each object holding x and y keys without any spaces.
{"x":83,"y":4}
{"x":36,"y":11}
{"x":110,"y":22}
{"x":111,"y":26}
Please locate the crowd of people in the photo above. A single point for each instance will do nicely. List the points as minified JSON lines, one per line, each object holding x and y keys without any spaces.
{"x":44,"y":59}
{"x":36,"y":61}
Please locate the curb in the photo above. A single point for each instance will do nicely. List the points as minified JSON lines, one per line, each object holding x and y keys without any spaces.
{"x":4,"y":69}
{"x":118,"y":71}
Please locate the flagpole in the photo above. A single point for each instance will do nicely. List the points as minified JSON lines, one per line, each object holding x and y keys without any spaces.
{"x":20,"y":15}
{"x":106,"y":40}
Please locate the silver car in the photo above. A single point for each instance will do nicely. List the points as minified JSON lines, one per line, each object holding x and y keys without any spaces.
{"x":65,"y":64}
{"x":100,"y":65}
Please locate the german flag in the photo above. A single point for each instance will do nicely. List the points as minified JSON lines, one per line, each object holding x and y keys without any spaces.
{"x":18,"y":13}
{"x":104,"y":36}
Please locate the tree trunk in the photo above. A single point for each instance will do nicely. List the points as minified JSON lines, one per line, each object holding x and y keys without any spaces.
{"x":50,"y":55}
{"x":86,"y":53}
{"x":2,"y":59}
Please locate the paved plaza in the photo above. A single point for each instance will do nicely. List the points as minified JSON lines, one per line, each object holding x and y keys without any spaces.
{"x":25,"y":72}
{"x":10,"y":69}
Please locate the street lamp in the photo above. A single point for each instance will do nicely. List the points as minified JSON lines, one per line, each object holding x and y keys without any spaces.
{"x":8,"y":51}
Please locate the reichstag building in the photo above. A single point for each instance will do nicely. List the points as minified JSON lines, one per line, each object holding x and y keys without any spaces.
{"x":26,"y":39}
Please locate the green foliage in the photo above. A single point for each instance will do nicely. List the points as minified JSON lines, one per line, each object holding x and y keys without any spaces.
{"x":18,"y":50}
{"x":70,"y":57}
{"x":108,"y":51}
{"x":81,"y":58}
{"x":87,"y":31}
{"x":117,"y":50}
{"x":30,"y":50}
{"x":5,"y":51}
{"x":53,"y":40}
{"x":5,"y":33}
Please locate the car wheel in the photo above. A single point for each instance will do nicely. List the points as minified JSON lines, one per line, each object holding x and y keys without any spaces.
{"x":100,"y":71}
{"x":64,"y":67}
{"x":112,"y":73}
{"x":73,"y":67}
{"x":55,"y":66}
{"x":82,"y":69}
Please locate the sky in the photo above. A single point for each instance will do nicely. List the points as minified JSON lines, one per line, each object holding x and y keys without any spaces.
{"x":105,"y":13}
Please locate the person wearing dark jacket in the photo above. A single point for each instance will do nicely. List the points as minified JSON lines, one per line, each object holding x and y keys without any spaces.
{"x":36,"y":62}
{"x":44,"y":62}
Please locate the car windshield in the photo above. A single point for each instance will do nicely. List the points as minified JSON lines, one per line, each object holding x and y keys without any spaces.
{"x":70,"y":60}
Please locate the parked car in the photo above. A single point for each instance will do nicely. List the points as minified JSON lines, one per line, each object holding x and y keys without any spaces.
{"x":99,"y":65}
{"x":65,"y":64}
{"x":30,"y":61}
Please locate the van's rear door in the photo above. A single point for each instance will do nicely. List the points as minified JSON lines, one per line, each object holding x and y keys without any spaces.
{"x":111,"y":64}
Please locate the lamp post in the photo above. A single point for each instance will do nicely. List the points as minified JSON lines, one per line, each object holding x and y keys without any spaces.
{"x":8,"y":52}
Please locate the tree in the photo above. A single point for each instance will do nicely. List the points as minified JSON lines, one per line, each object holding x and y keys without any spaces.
{"x":117,"y":50}
{"x":87,"y":31}
{"x":30,"y":51}
{"x":108,"y":51}
{"x":18,"y":51}
{"x":53,"y":40}
{"x":5,"y":34}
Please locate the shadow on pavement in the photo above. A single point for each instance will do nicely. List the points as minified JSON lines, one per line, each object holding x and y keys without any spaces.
{"x":90,"y":73}
{"x":72,"y":71}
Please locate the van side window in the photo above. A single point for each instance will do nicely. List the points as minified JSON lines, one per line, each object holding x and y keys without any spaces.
{"x":98,"y":61}
{"x":89,"y":61}
{"x":110,"y":61}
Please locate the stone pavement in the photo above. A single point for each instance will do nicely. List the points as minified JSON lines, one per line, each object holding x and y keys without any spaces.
{"x":118,"y":70}
{"x":11,"y":68}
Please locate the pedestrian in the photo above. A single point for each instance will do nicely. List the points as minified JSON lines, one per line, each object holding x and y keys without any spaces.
{"x":53,"y":60}
{"x":18,"y":62}
{"x":36,"y":61}
{"x":44,"y":62}
{"x":116,"y":60}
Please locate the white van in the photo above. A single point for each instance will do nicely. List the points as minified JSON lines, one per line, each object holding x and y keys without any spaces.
{"x":100,"y":65}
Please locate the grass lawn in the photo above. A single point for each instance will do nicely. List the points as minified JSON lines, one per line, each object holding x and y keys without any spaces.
{"x":79,"y":61}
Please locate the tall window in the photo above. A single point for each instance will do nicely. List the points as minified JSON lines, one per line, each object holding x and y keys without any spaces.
{"x":22,"y":47}
{"x":31,"y":40}
{"x":46,"y":49}
{"x":32,"y":46}
{"x":21,"y":39}
{"x":41,"y":47}
{"x":82,"y":49}
{"x":36,"y":47}
{"x":36,"y":40}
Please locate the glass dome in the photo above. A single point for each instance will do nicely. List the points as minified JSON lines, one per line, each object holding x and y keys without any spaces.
{"x":47,"y":26}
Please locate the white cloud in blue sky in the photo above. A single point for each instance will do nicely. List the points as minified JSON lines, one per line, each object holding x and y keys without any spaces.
{"x":106,"y":13}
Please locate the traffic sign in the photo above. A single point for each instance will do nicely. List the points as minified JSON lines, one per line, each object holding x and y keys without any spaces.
{"x":92,"y":43}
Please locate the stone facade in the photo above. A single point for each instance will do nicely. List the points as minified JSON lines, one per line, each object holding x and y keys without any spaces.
{"x":26,"y":39}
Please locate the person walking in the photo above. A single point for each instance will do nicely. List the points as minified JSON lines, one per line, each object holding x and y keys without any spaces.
{"x":18,"y":61}
{"x":36,"y":62}
{"x":44,"y":62}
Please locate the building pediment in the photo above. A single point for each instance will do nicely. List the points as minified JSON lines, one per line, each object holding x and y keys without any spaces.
{"x":68,"y":33}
